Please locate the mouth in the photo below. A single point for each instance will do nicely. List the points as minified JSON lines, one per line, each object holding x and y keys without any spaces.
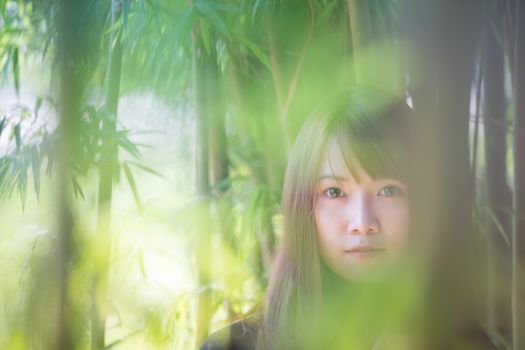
{"x":364,"y":251}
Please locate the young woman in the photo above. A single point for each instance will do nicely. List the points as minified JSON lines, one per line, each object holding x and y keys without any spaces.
{"x":346,"y":219}
{"x":336,"y":282}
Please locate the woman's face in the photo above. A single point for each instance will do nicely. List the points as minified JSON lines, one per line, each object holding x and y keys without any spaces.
{"x":361,"y":221}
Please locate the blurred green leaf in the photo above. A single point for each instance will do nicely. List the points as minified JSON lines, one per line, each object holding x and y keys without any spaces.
{"x":205,"y":35}
{"x":213,"y":17}
{"x":127,"y":145}
{"x":2,"y":124}
{"x":16,"y":71}
{"x":185,"y":26}
{"x":255,"y":8}
{"x":38,"y":104}
{"x":125,"y":12}
{"x":77,"y":189}
{"x":499,"y":227}
{"x":17,"y":136}
{"x":35,"y":166}
{"x":146,"y":168}
{"x":132,"y":185}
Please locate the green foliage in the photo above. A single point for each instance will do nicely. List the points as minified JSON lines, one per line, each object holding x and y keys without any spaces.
{"x":15,"y":34}
{"x":32,"y":146}
{"x":270,"y":63}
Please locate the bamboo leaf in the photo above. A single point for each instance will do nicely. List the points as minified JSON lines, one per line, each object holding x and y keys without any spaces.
{"x":116,"y":39}
{"x":6,"y":179}
{"x":77,"y":190}
{"x":142,"y":267}
{"x":125,"y":12}
{"x":4,"y":63}
{"x":50,"y":163}
{"x":213,"y":17}
{"x":499,"y":227}
{"x":185,"y":26}
{"x":21,"y":179}
{"x":147,"y":169}
{"x":113,"y":27}
{"x":2,"y":124}
{"x":129,"y":146}
{"x":35,"y":167}
{"x":258,"y":53}
{"x":16,"y":71}
{"x":46,"y":46}
{"x":255,"y":8}
{"x":16,"y":134}
{"x":222,"y":185}
{"x":132,"y":185}
{"x":121,"y":340}
{"x":38,"y":104}
{"x":205,"y":35}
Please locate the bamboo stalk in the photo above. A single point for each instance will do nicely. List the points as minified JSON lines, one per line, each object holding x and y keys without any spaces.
{"x":204,"y":247}
{"x":106,"y":175}
{"x":476,"y":119}
{"x":498,"y":191}
{"x":443,"y":215}
{"x":518,"y":235}
{"x":218,"y":163}
{"x":71,"y":82}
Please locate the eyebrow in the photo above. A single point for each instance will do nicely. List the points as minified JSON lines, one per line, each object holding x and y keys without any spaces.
{"x":341,"y":178}
{"x":334,"y":177}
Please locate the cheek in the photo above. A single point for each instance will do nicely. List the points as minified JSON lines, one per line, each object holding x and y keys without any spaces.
{"x":395,"y":221}
{"x":328,"y":222}
{"x":329,"y":218}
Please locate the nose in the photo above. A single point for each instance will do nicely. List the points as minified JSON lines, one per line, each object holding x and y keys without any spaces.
{"x":362,"y":218}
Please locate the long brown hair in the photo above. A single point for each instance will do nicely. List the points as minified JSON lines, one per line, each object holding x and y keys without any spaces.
{"x":367,"y":123}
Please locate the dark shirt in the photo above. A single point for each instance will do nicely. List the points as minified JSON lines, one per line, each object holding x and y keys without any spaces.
{"x":240,"y":335}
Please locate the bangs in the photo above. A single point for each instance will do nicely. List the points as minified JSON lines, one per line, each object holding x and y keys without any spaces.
{"x":363,"y":144}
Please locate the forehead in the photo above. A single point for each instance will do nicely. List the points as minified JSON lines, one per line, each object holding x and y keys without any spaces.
{"x":333,"y":163}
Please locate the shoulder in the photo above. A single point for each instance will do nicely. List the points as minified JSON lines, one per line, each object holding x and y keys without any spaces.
{"x":240,"y":335}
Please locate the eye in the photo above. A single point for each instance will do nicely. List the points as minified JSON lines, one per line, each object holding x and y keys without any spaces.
{"x":389,"y":191}
{"x":334,"y":192}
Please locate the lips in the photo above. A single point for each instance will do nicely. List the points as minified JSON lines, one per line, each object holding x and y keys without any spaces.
{"x":364,"y":251}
